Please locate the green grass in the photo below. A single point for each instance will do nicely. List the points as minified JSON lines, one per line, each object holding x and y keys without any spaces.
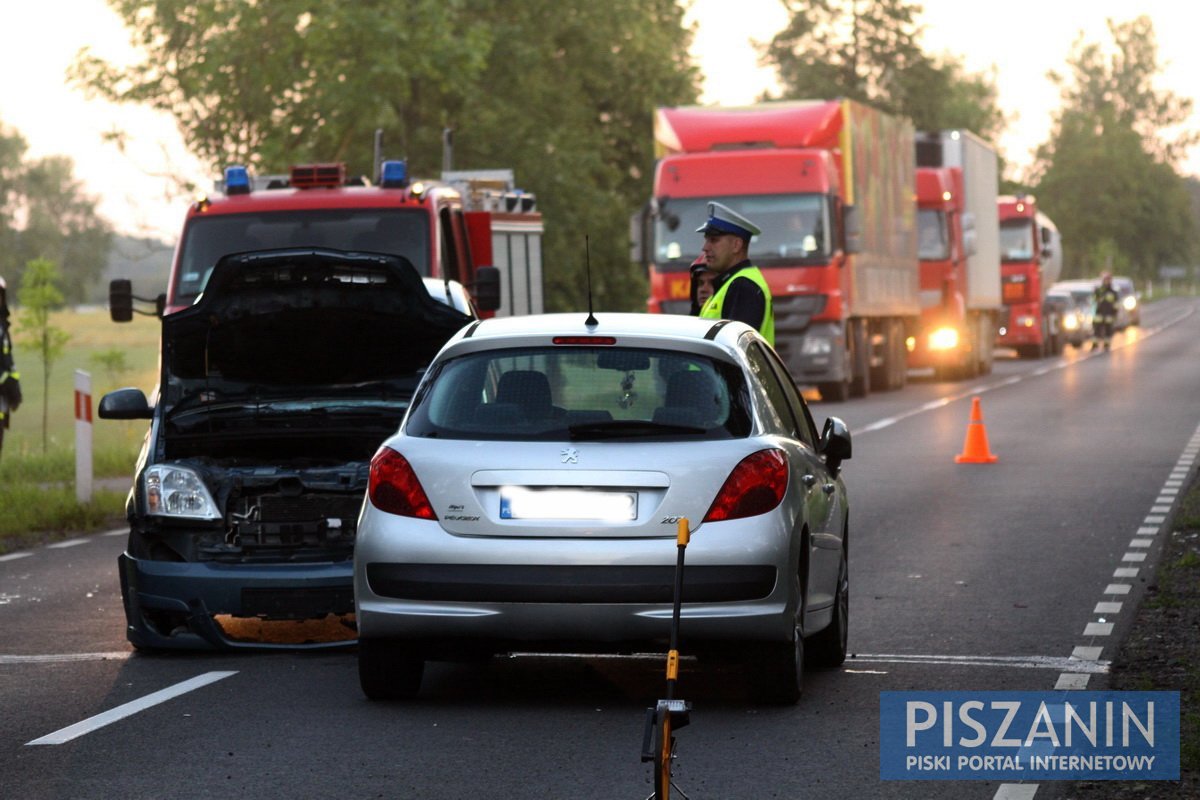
{"x":37,"y":480}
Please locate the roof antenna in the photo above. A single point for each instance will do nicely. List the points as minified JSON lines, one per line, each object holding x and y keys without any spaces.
{"x":591,"y":320}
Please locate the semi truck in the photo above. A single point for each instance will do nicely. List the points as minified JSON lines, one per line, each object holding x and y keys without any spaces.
{"x":959,"y":249}
{"x":831,"y":184}
{"x":1031,"y":261}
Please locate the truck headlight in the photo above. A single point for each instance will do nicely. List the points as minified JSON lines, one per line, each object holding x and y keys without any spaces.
{"x":816,"y":346}
{"x":1026,"y":322}
{"x":943,"y":339}
{"x":1071,"y":322}
{"x":1130,"y":303}
{"x":173,"y":491}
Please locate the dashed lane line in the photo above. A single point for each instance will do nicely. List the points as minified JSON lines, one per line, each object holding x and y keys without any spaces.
{"x":129,"y":709}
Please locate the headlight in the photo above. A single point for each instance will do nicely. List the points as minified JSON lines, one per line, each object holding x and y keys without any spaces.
{"x":1026,"y":322}
{"x":1130,"y":303}
{"x":816,"y":346}
{"x":177,"y":492}
{"x":1071,"y":322}
{"x":943,"y":339}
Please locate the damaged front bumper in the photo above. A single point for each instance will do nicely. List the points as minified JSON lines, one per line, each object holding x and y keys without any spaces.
{"x":176,"y":605}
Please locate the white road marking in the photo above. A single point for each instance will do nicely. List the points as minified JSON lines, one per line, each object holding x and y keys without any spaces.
{"x":128,"y":709}
{"x":1140,"y":542}
{"x":1016,"y":791}
{"x":1018,"y":662}
{"x":1117,"y":588}
{"x":1098,"y":629}
{"x":1125,"y":572}
{"x":117,"y":532}
{"x":1107,"y":607}
{"x":1087,"y":653}
{"x":62,"y":658}
{"x":15,"y":556}
{"x":1155,"y":520}
{"x":1148,"y":530}
{"x":65,"y":544}
{"x":1134,"y":557}
{"x":1072,"y":681}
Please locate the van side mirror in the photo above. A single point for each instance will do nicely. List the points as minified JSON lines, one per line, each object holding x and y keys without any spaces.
{"x":835,"y":444}
{"x":120,"y":300}
{"x":485,"y":289}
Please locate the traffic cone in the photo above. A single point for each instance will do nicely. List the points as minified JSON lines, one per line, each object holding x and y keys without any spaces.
{"x":975,"y":448}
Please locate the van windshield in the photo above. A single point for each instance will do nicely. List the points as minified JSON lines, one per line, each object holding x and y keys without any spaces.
{"x":377,"y":230}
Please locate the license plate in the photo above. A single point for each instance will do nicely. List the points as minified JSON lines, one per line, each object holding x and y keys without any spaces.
{"x":580,"y":504}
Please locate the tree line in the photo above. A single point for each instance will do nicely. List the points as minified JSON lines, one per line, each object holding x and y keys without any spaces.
{"x":563,"y":92}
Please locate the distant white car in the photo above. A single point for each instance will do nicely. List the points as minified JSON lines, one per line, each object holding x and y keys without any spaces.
{"x":531,"y":498}
{"x":1129,"y":312}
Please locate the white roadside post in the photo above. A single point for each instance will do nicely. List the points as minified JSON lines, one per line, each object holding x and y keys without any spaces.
{"x":83,"y":436}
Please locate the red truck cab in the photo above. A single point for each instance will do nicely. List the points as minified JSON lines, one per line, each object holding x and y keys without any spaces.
{"x":1031,"y":260}
{"x":941,"y":249}
{"x":315,"y":206}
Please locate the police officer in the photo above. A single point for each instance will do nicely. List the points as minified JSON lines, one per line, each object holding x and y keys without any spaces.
{"x":1105,"y":316}
{"x":741,"y":290}
{"x":10,"y":379}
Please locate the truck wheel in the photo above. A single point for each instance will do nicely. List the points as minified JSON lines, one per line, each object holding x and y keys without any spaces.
{"x":837,"y":392}
{"x":859,"y":382}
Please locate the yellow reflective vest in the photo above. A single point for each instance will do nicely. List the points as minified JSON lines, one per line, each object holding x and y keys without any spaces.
{"x":714,"y":307}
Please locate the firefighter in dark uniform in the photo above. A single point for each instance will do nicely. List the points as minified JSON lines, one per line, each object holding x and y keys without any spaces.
{"x":10,"y":379}
{"x":1104,"y":318}
{"x":741,"y":291}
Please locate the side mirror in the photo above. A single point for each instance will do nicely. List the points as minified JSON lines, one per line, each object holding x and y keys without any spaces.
{"x":120,"y":300}
{"x":970,"y":238}
{"x":127,"y":403}
{"x":852,"y":229}
{"x":485,"y":290}
{"x":835,"y":444}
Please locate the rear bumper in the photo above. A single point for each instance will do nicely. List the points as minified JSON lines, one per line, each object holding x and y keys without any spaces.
{"x":171,"y":605}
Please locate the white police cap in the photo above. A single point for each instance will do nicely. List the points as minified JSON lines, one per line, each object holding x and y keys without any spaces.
{"x":723,"y":219}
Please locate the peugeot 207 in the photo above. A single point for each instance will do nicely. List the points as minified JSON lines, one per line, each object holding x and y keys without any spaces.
{"x":531,"y":498}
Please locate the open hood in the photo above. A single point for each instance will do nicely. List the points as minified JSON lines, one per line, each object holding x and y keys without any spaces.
{"x":276,"y":319}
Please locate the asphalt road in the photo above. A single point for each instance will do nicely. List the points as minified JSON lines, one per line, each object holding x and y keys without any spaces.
{"x":979,"y":577}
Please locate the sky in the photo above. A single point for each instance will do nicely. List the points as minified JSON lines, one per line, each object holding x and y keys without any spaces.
{"x":1022,"y":39}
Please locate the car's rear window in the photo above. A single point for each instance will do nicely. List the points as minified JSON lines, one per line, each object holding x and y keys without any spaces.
{"x":582,"y":393}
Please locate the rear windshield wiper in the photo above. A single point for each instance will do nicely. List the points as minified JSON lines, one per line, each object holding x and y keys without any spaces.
{"x":615,"y":429}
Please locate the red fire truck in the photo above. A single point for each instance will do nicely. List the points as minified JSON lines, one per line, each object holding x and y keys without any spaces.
{"x":447,"y":228}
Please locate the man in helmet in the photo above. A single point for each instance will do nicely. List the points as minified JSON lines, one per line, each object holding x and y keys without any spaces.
{"x":10,"y":379}
{"x":1105,"y":298}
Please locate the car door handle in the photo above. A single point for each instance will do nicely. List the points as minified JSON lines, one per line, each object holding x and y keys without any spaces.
{"x":829,"y":488}
{"x":809,"y":480}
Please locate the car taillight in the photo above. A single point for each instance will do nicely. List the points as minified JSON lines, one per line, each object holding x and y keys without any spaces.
{"x":755,"y":486}
{"x":393,"y":486}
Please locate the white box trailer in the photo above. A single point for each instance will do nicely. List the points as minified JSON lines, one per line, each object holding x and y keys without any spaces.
{"x":981,"y":182}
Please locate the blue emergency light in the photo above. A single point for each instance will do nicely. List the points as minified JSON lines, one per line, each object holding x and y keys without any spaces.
{"x":393,"y":175}
{"x":237,"y":180}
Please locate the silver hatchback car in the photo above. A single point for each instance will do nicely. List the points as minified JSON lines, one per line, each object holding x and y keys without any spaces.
{"x":531,"y":498}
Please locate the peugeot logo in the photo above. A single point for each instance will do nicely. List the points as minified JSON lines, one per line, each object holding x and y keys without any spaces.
{"x":570,"y":455}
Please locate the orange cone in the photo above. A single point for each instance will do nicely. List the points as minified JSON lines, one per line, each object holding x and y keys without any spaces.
{"x":975,"y":448}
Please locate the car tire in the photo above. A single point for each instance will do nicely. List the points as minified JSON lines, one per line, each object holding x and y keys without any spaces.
{"x":388,"y":670}
{"x":827,"y":648}
{"x":779,"y":673}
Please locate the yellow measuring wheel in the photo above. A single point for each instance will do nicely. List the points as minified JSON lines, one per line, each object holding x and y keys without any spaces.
{"x":669,"y":714}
